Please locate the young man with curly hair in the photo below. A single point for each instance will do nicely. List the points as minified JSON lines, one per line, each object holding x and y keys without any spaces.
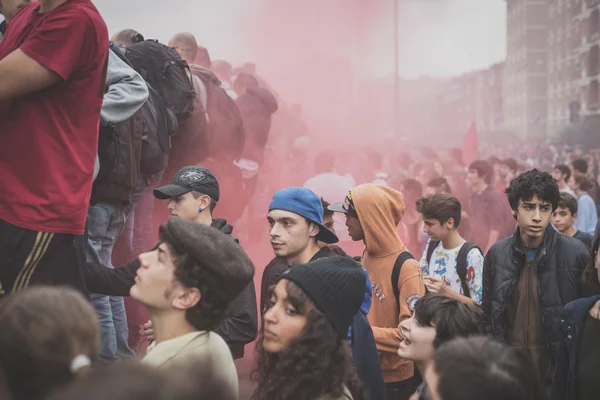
{"x":187,"y":283}
{"x":530,"y":276}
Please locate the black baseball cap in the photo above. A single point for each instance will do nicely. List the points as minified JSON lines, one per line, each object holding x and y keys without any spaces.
{"x":190,"y":179}
{"x":347,"y":207}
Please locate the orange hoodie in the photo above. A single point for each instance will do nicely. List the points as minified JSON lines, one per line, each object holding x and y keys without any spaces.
{"x":379,"y":210}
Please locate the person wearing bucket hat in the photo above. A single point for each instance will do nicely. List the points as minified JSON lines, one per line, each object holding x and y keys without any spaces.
{"x":192,"y":196}
{"x":295,"y":220}
{"x":302,"y":350}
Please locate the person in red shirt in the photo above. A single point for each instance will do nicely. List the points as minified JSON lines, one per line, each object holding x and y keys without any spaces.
{"x":53,"y":63}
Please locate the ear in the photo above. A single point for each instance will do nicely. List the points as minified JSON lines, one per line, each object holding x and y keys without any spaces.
{"x":575,"y":217}
{"x":450,"y":223}
{"x":188,"y":298}
{"x":313,"y":229}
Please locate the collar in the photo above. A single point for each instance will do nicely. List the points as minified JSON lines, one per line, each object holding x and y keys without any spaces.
{"x":161,"y":353}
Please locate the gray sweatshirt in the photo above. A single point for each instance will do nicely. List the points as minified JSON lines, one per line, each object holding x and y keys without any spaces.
{"x":127,"y":92}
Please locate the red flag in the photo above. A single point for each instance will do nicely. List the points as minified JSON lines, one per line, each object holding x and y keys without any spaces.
{"x":470,"y":146}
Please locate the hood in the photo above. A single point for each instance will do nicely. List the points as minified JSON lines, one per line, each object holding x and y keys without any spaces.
{"x":380,"y":209}
{"x":266,"y":98}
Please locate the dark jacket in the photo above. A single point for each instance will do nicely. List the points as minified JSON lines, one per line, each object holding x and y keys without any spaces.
{"x":571,"y":327}
{"x":237,"y":329}
{"x":364,"y":349}
{"x":561,"y":261}
{"x":256,"y":106}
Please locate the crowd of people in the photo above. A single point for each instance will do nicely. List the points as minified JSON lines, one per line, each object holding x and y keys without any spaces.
{"x":428,"y":274}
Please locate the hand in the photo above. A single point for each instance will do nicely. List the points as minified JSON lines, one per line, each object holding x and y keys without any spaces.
{"x":148,"y":331}
{"x":434,"y":284}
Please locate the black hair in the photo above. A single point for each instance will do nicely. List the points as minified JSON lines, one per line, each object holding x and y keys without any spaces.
{"x":483,"y":169}
{"x":565,"y":170}
{"x":569,"y":202}
{"x":530,"y":183}
{"x":210,"y":310}
{"x":441,"y":207}
{"x":315,"y":364}
{"x":450,"y":317}
{"x":326,"y":211}
{"x":482,"y":368}
{"x":580,"y":165}
{"x":590,"y":286}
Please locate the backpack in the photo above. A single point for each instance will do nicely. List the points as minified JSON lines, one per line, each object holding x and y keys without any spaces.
{"x":461,"y":262}
{"x":164,"y":70}
{"x":402,"y":258}
{"x":160,"y":123}
{"x":119,"y":148}
{"x":225,"y":129}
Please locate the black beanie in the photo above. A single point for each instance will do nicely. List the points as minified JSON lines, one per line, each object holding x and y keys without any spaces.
{"x":213,"y":251}
{"x":335,"y":284}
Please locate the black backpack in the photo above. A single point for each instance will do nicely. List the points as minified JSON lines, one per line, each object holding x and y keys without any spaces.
{"x":461,"y":262}
{"x":164,"y":70}
{"x":119,"y":147}
{"x":160,"y":123}
{"x":225,"y":128}
{"x":402,"y":258}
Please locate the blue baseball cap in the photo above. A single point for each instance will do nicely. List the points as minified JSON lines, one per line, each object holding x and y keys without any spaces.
{"x":305,"y":203}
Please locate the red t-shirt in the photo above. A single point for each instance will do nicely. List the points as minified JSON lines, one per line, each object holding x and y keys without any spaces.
{"x":49,"y":139}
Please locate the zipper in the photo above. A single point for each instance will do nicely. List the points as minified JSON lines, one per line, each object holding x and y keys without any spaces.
{"x":509,"y":292}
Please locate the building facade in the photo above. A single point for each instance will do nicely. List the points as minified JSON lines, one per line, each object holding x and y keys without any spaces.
{"x":525,"y":72}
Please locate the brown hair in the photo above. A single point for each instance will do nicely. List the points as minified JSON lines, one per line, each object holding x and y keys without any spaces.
{"x":316,"y":363}
{"x":494,"y":371}
{"x":568,"y":202}
{"x":441,"y":207}
{"x":583,"y":181}
{"x":43,"y":330}
{"x":135,"y":381}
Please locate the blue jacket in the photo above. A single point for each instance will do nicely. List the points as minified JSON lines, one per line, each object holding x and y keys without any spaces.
{"x":571,"y":327}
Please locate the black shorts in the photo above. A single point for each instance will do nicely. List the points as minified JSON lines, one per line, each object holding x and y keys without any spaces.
{"x":30,"y":257}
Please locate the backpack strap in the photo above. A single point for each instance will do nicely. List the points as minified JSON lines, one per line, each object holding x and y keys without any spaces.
{"x":430,"y":249}
{"x":461,"y":265}
{"x":402,"y":258}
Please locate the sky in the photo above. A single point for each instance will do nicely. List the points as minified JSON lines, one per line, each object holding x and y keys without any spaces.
{"x":437,"y":37}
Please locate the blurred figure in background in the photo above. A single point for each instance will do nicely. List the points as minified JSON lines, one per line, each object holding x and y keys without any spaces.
{"x":48,"y":335}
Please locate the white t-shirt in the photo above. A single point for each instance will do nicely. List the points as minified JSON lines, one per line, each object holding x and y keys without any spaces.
{"x":444,"y":266}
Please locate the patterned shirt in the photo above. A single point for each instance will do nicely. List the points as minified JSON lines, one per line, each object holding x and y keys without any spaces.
{"x":444,"y":266}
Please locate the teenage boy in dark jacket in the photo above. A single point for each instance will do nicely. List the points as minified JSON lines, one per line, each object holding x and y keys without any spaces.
{"x":530,"y":276}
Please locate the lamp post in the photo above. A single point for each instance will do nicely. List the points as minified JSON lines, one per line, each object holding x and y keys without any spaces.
{"x":396,"y":71}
